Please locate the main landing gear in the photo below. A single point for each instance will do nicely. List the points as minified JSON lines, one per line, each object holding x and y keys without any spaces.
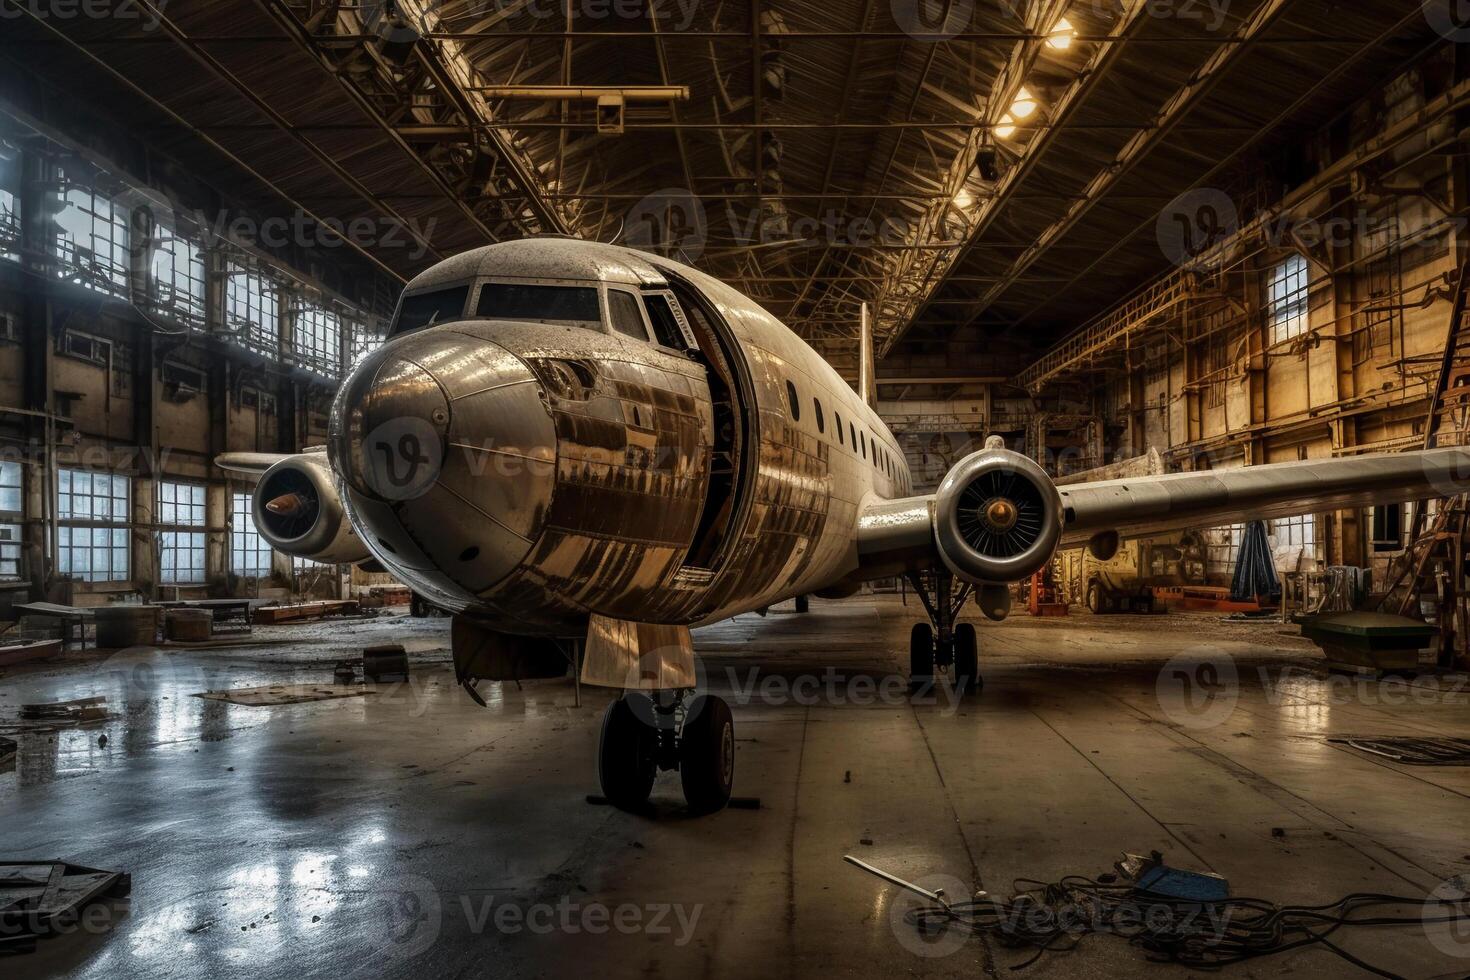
{"x":941,"y":642}
{"x":643,"y":733}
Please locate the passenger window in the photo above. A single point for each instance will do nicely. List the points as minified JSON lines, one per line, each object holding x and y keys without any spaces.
{"x":864,"y":437}
{"x":626,"y":316}
{"x":821,"y":422}
{"x":852,"y":435}
{"x":793,"y":401}
{"x":838,"y":419}
{"x":665,"y":323}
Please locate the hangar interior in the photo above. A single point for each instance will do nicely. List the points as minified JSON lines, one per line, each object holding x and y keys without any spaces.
{"x":1127,"y":238}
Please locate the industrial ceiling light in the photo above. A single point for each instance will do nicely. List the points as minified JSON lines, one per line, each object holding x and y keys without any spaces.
{"x":964,"y":199}
{"x":1025,"y":104}
{"x":1006,"y":128}
{"x":1059,"y":38}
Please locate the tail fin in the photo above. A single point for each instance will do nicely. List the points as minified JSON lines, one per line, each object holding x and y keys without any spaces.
{"x":867,"y":383}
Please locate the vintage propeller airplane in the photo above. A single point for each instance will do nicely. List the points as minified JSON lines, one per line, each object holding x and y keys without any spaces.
{"x":577,"y":446}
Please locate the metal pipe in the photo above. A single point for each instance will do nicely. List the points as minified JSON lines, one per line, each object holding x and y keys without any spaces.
{"x":628,"y":93}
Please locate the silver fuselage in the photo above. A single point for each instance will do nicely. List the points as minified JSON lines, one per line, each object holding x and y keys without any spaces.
{"x":532,"y":474}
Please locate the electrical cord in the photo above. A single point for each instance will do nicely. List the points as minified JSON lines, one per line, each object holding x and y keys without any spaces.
{"x":1057,"y":916}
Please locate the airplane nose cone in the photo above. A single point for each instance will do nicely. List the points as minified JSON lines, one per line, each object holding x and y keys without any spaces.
{"x":448,"y":451}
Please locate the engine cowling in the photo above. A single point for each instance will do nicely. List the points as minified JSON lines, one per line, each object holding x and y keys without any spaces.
{"x":298,"y":511}
{"x":997,"y":518}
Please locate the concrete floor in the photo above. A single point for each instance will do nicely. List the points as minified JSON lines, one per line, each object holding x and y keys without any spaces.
{"x":412,"y":833}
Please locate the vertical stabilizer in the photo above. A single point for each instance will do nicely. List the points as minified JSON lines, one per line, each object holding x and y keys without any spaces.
{"x":867,"y":383}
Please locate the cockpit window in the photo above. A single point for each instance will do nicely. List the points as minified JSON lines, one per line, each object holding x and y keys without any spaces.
{"x":627,"y":318}
{"x":540,"y":304}
{"x":438,"y":306}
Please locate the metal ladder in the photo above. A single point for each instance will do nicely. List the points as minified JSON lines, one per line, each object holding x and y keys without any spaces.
{"x":1432,"y":573}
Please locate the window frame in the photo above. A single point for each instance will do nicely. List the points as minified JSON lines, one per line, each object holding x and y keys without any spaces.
{"x":648,"y":337}
{"x":1289,"y":298}
{"x":184,"y":534}
{"x":69,"y":524}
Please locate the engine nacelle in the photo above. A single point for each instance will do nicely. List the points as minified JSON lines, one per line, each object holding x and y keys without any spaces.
{"x":298,"y":511}
{"x":997,"y":518}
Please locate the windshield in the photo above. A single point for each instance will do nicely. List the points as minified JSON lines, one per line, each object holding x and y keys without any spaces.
{"x":540,"y":304}
{"x":439,"y":306}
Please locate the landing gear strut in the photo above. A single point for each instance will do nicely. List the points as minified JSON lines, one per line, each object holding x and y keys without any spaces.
{"x":642,"y":734}
{"x":942,"y":642}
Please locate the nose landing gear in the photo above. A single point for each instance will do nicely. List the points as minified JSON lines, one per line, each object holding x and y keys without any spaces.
{"x":643,"y":734}
{"x":942,"y":643}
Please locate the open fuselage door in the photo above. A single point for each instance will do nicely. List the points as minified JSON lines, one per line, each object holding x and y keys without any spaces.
{"x":735,"y":447}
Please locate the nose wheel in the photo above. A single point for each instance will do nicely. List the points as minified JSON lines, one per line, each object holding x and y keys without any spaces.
{"x":642,"y":735}
{"x":942,"y":643}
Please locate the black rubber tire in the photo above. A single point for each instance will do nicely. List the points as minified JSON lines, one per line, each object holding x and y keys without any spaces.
{"x":1094,"y":599}
{"x":803,"y":604}
{"x":626,"y":766}
{"x":921,"y":656}
{"x":707,"y":754}
{"x":966,"y":659}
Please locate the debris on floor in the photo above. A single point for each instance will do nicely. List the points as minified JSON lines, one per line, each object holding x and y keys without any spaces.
{"x":385,"y":661}
{"x":306,"y":611}
{"x":278,"y":694}
{"x":68,"y":712}
{"x":28,"y":652}
{"x":1412,"y":750}
{"x":1173,"y":915}
{"x":42,"y":899}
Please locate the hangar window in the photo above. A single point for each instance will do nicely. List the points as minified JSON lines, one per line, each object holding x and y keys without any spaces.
{"x":1389,"y":521}
{"x":1298,"y":532}
{"x":250,"y":556}
{"x":92,"y":240}
{"x":821,"y":422}
{"x":793,"y":401}
{"x":12,"y":514}
{"x":180,"y":550}
{"x":316,"y":338}
{"x":177,"y":273}
{"x":1287,"y":299}
{"x":91,"y":535}
{"x":837,"y":421}
{"x":362,"y":340}
{"x":9,"y":215}
{"x":426,"y":309}
{"x":540,"y":304}
{"x":253,"y":308}
{"x":626,"y":314}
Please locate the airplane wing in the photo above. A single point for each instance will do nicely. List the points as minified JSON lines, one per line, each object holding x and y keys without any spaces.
{"x":902,"y":535}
